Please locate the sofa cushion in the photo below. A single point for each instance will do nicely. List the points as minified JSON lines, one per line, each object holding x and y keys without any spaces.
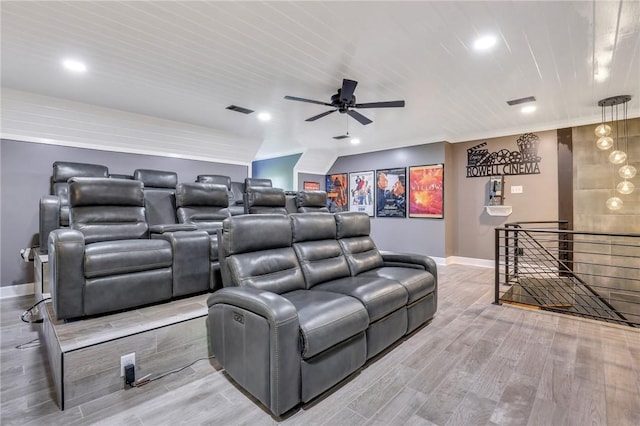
{"x":361,"y":254}
{"x":380,"y":296}
{"x":213,"y":248}
{"x":418,"y":283}
{"x":276,"y":270}
{"x":326,"y":319}
{"x":126,"y":256}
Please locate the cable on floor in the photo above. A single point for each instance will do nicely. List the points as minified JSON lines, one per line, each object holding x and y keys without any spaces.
{"x":144,"y":380}
{"x":26,"y":315}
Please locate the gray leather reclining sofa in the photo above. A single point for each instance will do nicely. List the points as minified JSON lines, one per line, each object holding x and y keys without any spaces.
{"x":308,"y":299}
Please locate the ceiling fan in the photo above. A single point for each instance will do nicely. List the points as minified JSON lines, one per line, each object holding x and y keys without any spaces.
{"x":344,"y":101}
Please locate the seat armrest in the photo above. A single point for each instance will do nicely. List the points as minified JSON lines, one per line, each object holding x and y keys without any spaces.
{"x":254,"y":334}
{"x":172,"y":227}
{"x":49,"y":219}
{"x":66,"y":272}
{"x":190,"y":265}
{"x":410,"y":260}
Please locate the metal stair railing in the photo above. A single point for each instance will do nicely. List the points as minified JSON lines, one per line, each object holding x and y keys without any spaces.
{"x":588,"y":274}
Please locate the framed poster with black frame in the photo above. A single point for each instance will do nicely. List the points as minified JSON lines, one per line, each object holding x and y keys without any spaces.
{"x":337,"y":192}
{"x":361,"y":192}
{"x":390,"y":192}
{"x":426,"y":191}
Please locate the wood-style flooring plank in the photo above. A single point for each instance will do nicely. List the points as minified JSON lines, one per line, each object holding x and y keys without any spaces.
{"x":475,"y":363}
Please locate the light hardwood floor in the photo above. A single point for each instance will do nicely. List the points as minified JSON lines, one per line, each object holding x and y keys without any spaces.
{"x":476,"y":363}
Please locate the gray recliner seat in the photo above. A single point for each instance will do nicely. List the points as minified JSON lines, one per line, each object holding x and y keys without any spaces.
{"x":234,"y":191}
{"x":270,"y":333}
{"x":204,"y":205}
{"x":312,"y":201}
{"x":105,"y":261}
{"x":54,"y":209}
{"x":264,"y":200}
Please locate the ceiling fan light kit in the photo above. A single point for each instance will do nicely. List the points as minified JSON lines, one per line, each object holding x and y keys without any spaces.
{"x":345,"y":102}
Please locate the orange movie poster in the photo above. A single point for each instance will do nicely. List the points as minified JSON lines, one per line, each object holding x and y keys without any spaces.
{"x":337,"y":192}
{"x":426,"y":188}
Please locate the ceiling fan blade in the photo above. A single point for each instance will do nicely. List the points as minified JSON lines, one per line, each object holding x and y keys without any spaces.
{"x":361,"y":118}
{"x":311,"y":101}
{"x":389,"y":104}
{"x":348,"y":87}
{"x":315,"y":117}
{"x":341,"y":137}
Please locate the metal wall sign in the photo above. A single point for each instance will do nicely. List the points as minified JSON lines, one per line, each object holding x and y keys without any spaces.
{"x":524,"y":161}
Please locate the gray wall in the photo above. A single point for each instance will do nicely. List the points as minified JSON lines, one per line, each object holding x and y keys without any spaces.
{"x":422,"y":236}
{"x":25,"y":173}
{"x":473,"y":230}
{"x":308,"y":177}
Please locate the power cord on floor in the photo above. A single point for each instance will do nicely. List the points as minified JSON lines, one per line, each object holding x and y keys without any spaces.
{"x":147,"y":379}
{"x":26,"y":315}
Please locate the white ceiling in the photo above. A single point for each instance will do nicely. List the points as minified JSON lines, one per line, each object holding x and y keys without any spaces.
{"x":186,"y":61}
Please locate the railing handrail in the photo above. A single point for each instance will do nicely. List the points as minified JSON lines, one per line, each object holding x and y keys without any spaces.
{"x":562,"y":231}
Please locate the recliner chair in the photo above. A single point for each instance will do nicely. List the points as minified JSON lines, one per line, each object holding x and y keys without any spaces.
{"x":264,"y":199}
{"x":234,"y":191}
{"x":205,"y":206}
{"x":54,"y":209}
{"x":105,"y":261}
{"x":312,"y":201}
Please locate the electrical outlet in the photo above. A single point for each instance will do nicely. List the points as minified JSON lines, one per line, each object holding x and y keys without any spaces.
{"x":127,"y":360}
{"x":516,"y":189}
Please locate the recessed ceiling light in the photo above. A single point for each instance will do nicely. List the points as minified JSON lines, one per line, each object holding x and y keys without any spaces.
{"x":264,"y":116}
{"x":484,"y":42}
{"x":355,"y":141}
{"x":528,"y":109}
{"x":73,"y":65}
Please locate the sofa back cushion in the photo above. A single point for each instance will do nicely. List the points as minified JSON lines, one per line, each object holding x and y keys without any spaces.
{"x":106,"y":209}
{"x":262,"y":199}
{"x":217,"y":179}
{"x":312,"y":201}
{"x":318,"y":251}
{"x":256,"y":252}
{"x":202,"y":204}
{"x":353,"y":230}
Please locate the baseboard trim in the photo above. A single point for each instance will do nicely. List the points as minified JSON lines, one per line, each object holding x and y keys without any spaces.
{"x":7,"y":292}
{"x":483,"y":263}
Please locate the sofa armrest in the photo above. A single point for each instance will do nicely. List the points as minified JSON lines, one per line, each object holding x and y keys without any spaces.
{"x":49,"y":219}
{"x":254,"y":334}
{"x":411,"y":260}
{"x":66,"y":271}
{"x":172,"y":227}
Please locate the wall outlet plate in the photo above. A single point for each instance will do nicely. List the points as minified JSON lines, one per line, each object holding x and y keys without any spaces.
{"x":126,"y":360}
{"x":516,"y":189}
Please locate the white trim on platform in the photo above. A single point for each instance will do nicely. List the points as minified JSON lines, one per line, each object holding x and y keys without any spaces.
{"x":7,"y":292}
{"x":484,"y":263}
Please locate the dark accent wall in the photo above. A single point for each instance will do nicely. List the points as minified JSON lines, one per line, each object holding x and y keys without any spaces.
{"x":25,"y":172}
{"x":279,"y":170}
{"x":422,"y":236}
{"x":565,"y":175}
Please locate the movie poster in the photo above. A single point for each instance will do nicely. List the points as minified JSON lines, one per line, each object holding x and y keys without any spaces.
{"x":361,"y":188}
{"x":390,"y":192}
{"x":426,"y":189}
{"x":337,"y":193}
